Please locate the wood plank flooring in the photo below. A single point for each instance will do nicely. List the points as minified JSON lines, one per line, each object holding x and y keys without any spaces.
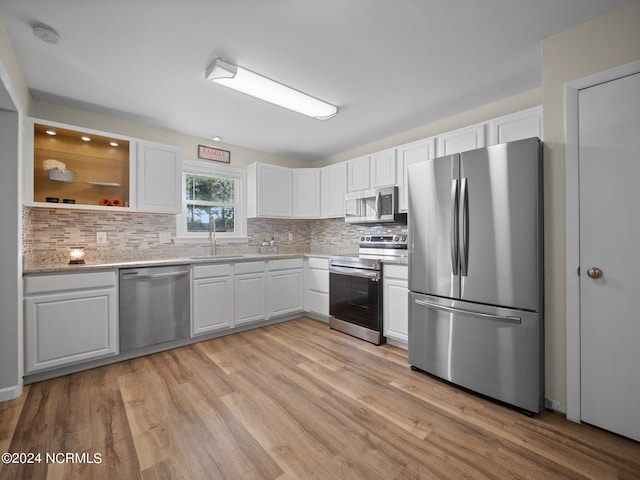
{"x":292,"y":401}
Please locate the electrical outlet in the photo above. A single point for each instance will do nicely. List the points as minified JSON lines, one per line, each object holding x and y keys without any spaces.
{"x":101,"y":237}
{"x":164,"y":237}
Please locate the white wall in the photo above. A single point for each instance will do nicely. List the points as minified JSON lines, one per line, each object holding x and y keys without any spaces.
{"x":516,"y":103}
{"x":15,"y":99}
{"x":602,"y":43}
{"x":240,"y":157}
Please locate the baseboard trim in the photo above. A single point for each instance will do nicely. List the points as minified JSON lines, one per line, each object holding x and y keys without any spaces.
{"x":10,"y":393}
{"x":557,"y":406}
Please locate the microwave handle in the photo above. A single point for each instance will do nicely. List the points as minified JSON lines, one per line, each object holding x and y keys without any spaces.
{"x":378,"y":205}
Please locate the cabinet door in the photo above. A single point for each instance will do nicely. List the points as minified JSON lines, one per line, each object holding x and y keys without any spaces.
{"x":461,"y":140}
{"x":270,"y":191}
{"x":250,"y":303}
{"x":212,"y":304}
{"x":316,"y":286}
{"x":285,"y":292}
{"x":306,"y":192}
{"x":408,"y":155}
{"x":396,"y":310}
{"x":158,"y":178}
{"x":383,"y":168}
{"x":71,"y":327}
{"x":517,"y":126}
{"x":334,"y":187}
{"x":358,"y":174}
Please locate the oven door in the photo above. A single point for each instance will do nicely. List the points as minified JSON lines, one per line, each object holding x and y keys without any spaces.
{"x":355,"y":296}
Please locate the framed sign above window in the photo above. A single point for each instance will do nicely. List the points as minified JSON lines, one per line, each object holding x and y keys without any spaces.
{"x":216,"y":154}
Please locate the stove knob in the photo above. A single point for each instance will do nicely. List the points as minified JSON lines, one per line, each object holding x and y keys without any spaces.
{"x":403,"y":239}
{"x":362,"y":239}
{"x":368,"y":239}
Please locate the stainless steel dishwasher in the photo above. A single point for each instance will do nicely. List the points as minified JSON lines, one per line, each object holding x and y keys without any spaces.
{"x":154,"y":305}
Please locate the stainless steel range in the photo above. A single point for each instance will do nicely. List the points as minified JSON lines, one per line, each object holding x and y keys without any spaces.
{"x":355,"y":287}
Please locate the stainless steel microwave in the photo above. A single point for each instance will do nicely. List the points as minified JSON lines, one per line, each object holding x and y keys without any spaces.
{"x":377,"y":205}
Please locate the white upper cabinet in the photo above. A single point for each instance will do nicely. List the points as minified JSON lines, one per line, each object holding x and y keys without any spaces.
{"x":383,"y":168}
{"x":407,"y":155}
{"x":461,"y":140}
{"x":158,"y":178}
{"x":71,"y":167}
{"x":372,"y":171}
{"x":269,"y":191}
{"x":516,"y":126}
{"x":333,"y":184}
{"x":358,"y":174}
{"x":306,"y":192}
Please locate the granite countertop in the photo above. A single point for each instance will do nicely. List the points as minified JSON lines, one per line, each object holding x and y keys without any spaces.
{"x":195,"y":260}
{"x":233,"y":258}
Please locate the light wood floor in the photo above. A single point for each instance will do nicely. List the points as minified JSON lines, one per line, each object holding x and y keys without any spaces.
{"x":292,"y":401}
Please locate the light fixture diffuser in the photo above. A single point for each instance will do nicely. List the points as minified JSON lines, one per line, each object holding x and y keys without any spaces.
{"x":246,"y":81}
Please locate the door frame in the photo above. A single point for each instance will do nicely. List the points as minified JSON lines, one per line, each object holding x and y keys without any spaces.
{"x":572,"y":227}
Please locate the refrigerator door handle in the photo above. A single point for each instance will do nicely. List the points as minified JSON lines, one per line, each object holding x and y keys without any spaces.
{"x":455,"y":260}
{"x":486,"y":316}
{"x":464,"y":236}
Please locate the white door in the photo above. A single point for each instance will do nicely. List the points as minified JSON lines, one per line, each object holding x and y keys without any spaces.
{"x":609,"y":163}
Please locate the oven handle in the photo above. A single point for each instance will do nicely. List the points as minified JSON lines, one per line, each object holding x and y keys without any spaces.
{"x":370,"y":274}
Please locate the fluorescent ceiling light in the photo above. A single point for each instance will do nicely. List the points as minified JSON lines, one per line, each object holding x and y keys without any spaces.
{"x":246,"y":81}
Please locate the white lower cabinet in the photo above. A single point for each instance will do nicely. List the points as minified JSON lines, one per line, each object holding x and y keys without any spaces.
{"x":250,"y":292}
{"x":213,"y":298}
{"x":69,"y":318}
{"x":286,"y":283}
{"x":396,"y":304}
{"x":316,"y":286}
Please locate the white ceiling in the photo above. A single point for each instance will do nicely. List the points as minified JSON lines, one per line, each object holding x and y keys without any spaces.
{"x":390,"y":65}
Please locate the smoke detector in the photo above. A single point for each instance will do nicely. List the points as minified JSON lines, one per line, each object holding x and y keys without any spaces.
{"x":47,"y":34}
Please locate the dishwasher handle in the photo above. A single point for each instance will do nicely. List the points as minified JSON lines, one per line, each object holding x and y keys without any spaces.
{"x":137,"y":275}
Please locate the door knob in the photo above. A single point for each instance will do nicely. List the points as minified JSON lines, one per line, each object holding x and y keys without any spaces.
{"x":594,"y":272}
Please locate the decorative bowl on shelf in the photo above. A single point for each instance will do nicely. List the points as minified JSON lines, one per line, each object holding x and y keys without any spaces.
{"x":61,"y":175}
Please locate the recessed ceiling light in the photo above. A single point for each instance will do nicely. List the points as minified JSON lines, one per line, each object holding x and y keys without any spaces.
{"x":113,"y":144}
{"x":47,"y":34}
{"x":85,"y":138}
{"x":50,"y":132}
{"x":216,"y":138}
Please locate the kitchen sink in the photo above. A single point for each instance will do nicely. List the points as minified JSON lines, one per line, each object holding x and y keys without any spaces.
{"x":214,"y":257}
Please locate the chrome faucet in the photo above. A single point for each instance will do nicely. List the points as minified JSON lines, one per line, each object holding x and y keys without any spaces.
{"x":212,"y":235}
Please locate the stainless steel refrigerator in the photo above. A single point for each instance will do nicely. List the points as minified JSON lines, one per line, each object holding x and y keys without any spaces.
{"x":476,"y":271}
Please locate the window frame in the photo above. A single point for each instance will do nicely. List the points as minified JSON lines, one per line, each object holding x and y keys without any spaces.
{"x":207,"y":169}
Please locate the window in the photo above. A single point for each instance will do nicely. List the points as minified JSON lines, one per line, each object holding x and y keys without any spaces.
{"x":211,"y":199}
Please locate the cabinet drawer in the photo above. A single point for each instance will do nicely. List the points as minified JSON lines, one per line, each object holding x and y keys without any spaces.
{"x":68,"y":281}
{"x":249,"y":267}
{"x":211,"y":271}
{"x":317,"y":280}
{"x":317,"y":302}
{"x":285,"y":264}
{"x":396,"y":271}
{"x":319,"y":263}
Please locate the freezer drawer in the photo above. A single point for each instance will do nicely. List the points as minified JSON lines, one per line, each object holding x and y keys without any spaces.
{"x":497,"y":352}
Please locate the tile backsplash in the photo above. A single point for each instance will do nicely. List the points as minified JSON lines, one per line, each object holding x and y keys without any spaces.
{"x":48,"y":234}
